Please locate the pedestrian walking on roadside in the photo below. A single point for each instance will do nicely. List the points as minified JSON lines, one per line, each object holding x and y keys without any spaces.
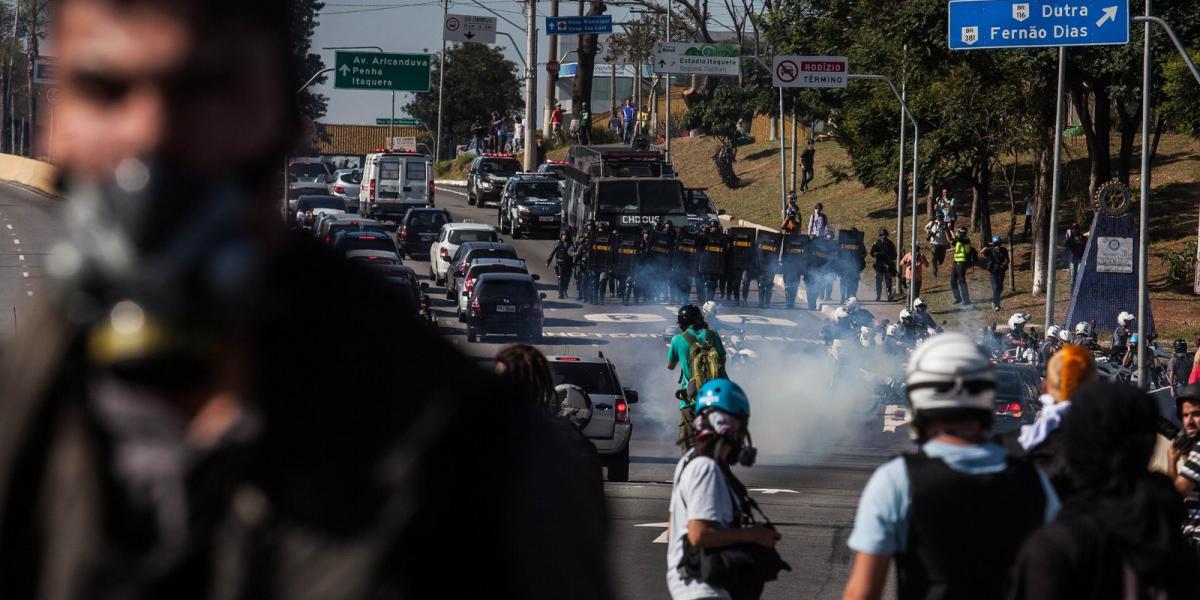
{"x":953,"y":514}
{"x":965,"y":257}
{"x":996,"y":262}
{"x":518,"y":141}
{"x":884,"y":253}
{"x":913,"y":270}
{"x":628,"y":120}
{"x":1119,"y":537}
{"x":562,"y":255}
{"x":807,"y":165}
{"x":710,"y":508}
{"x":939,"y":241}
{"x":585,"y":124}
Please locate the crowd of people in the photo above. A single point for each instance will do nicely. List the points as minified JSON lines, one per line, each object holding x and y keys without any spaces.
{"x":497,"y":133}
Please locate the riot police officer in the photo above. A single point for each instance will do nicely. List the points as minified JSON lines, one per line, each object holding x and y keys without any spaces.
{"x":768,"y":245}
{"x":600,"y":263}
{"x":658,"y":263}
{"x":683,"y":265}
{"x":817,"y":273}
{"x":741,"y":258}
{"x":797,"y":266}
{"x":624,"y":265}
{"x":850,"y":262}
{"x":583,"y":249}
{"x":712,"y":262}
{"x":562,"y":255}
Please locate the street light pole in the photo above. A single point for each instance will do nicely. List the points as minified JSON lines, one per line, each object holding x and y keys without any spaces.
{"x":1051,"y":253}
{"x":530,"y":88}
{"x":437,"y":144}
{"x":668,"y":120}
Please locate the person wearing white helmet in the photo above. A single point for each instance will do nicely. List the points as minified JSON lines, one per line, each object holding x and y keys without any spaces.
{"x":1050,"y":345}
{"x":859,"y":316}
{"x":1122,"y":334}
{"x":909,"y":331}
{"x":1083,"y":335}
{"x":1016,"y":336}
{"x":922,"y":317}
{"x":954,"y":513}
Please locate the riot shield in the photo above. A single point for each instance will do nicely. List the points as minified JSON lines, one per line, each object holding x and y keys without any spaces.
{"x":796,"y":249}
{"x":687,"y":245}
{"x":712,"y":254}
{"x":741,"y":246}
{"x":627,"y":255}
{"x":768,"y":245}
{"x":821,"y":253}
{"x":600,"y":258}
{"x":851,"y":251}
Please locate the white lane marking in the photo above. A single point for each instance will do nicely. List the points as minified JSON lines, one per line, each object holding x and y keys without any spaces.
{"x":662,"y":538}
{"x":30,"y":293}
{"x":21,"y":257}
{"x":894,"y":416}
{"x":773,"y":491}
{"x":625,"y":318}
{"x":17,"y":242}
{"x":8,"y":226}
{"x":658,"y":336}
{"x":24,"y":273}
{"x":755,"y":320}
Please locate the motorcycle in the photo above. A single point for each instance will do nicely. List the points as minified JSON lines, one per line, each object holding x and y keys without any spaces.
{"x":736,"y":350}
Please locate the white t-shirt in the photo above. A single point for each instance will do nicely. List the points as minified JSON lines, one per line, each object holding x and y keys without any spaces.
{"x":701,"y":493}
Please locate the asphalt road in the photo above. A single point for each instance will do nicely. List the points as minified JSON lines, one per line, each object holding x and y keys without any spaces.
{"x":817,"y":445}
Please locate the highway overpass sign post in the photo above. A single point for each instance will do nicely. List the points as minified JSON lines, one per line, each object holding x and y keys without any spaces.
{"x":380,"y":71}
{"x":976,"y":24}
{"x":697,"y":59}
{"x":579,"y":25}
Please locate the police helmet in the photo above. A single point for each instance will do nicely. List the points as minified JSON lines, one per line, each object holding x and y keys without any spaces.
{"x":709,"y":310}
{"x":961,"y":232}
{"x":689,"y":316}
{"x":1052,"y":332}
{"x":905,"y":315}
{"x":851,"y":304}
{"x":574,"y":404}
{"x":841,"y":313}
{"x":1018,"y":320}
{"x":893,"y":330}
{"x":1180,"y":346}
{"x":1083,"y":328}
{"x":1133,"y":339}
{"x":1125,"y":318}
{"x":883,"y":232}
{"x":950,"y":371}
{"x":1064,"y":335}
{"x":919,"y":304}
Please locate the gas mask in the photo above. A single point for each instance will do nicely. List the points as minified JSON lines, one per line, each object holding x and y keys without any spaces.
{"x":730,"y":430}
{"x":158,"y":266}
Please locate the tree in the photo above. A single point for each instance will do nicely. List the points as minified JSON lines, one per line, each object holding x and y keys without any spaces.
{"x":304,"y":23}
{"x":479,"y":81}
{"x":718,"y":117}
{"x":582,"y":92}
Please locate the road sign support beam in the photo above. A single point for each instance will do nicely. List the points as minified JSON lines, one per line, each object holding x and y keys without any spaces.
{"x":1055,"y":187}
{"x":916,"y":162}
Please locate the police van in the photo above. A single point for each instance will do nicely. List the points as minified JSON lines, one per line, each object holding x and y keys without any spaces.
{"x":623,"y":189}
{"x":394,"y":181}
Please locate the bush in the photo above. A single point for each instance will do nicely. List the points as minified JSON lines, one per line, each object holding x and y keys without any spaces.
{"x":1180,"y":265}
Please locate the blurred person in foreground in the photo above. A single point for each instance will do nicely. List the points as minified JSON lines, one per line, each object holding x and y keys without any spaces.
{"x":1183,"y":466}
{"x":1119,"y":536}
{"x":174,"y":425}
{"x":1068,"y":369}
{"x":953,"y":514}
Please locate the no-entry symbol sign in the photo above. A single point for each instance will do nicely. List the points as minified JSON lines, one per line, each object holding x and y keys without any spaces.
{"x":810,"y":71}
{"x":452,"y":24}
{"x":785,"y":72}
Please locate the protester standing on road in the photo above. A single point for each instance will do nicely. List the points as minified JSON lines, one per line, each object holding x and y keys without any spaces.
{"x":709,"y":506}
{"x":1075,"y":242}
{"x":1119,"y":536}
{"x":818,"y":223}
{"x":562,"y":255}
{"x":693,"y":343}
{"x":884,"y":253}
{"x":996,"y":257}
{"x":807,"y":165}
{"x":939,"y":240}
{"x":953,"y":514}
{"x":964,"y":255}
{"x":174,"y":430}
{"x":913,"y":270}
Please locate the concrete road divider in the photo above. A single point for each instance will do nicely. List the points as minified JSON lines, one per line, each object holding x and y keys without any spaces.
{"x":34,"y":174}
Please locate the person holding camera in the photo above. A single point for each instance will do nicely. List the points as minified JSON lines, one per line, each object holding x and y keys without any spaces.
{"x":953,"y":514}
{"x":1184,"y":465}
{"x":710,"y":508}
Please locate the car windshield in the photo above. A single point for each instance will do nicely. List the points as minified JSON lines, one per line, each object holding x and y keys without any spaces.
{"x":538,"y":189}
{"x":595,"y":378}
{"x":463,"y":236}
{"x":698,"y":203}
{"x":660,"y":197}
{"x":315,"y":202}
{"x":521,"y":291}
{"x":555,"y":171}
{"x":427,"y":219}
{"x":500,"y":166}
{"x":617,"y":196}
{"x":306,"y":170}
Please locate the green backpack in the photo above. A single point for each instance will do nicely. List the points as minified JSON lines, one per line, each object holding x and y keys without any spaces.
{"x":704,"y":362}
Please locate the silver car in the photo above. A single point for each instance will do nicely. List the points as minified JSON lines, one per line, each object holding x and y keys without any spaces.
{"x":346,"y":184}
{"x":611,"y":425}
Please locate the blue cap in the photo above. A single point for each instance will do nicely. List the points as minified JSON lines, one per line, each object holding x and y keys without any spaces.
{"x":995,"y":239}
{"x":724,"y":395}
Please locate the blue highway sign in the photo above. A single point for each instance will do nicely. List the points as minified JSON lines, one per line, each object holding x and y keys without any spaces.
{"x":578,"y":25}
{"x":976,"y":24}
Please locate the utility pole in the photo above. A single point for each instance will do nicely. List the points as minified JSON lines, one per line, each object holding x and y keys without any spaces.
{"x":31,"y":130}
{"x":793,"y":148}
{"x":530,"y":86}
{"x":667,"y":129}
{"x":437,"y":144}
{"x":10,"y":99}
{"x":551,"y":76}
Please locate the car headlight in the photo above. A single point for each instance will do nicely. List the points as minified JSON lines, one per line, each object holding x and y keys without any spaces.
{"x":487,"y":185}
{"x":523,"y":209}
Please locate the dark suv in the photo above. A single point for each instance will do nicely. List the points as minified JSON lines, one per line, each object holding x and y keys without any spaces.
{"x":505,"y":303}
{"x":487,"y":177}
{"x":530,"y":204}
{"x":418,"y":228}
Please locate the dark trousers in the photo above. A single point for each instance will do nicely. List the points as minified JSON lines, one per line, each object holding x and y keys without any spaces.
{"x":710,"y":287}
{"x":997,"y":280}
{"x":766,"y":288}
{"x":600,"y":286}
{"x":581,"y":284}
{"x":958,"y":283}
{"x":791,"y":287}
{"x":733,"y":284}
{"x":687,"y":429}
{"x":1028,"y":228}
{"x":564,"y":279}
{"x":682,"y":287}
{"x":849,"y":286}
{"x":939,"y":257}
{"x":883,"y":280}
{"x":814,"y":286}
{"x":806,"y":177}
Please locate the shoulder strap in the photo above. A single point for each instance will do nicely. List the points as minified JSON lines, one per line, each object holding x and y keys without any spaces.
{"x":689,"y":338}
{"x":746,"y":505}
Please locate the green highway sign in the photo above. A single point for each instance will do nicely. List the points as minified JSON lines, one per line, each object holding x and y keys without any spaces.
{"x":379,"y":71}
{"x":399,"y":122}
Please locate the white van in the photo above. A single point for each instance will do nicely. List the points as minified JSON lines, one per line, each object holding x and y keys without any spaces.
{"x":393,"y":182}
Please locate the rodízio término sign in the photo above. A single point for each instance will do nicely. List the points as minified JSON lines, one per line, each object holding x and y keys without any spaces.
{"x":975,"y":24}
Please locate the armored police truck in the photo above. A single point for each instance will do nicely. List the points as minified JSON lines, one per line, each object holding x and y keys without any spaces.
{"x":626,"y":190}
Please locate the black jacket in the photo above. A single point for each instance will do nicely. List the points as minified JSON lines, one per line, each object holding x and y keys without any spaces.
{"x":561,"y":254}
{"x":884,"y":253}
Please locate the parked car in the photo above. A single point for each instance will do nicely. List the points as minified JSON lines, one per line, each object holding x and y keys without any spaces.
{"x":418,"y":228}
{"x":448,"y":240}
{"x":1018,"y":388}
{"x":309,"y":207}
{"x":505,"y":303}
{"x":487,"y":265}
{"x":611,"y":425}
{"x":471,"y":251}
{"x":487,"y":176}
{"x":530,"y":205}
{"x":362,"y":239}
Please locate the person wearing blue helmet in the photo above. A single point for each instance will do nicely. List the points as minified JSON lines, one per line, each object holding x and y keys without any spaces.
{"x":996,"y":262}
{"x":709,"y":506}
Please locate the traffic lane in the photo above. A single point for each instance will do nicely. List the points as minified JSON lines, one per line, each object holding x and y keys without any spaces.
{"x":813,"y":509}
{"x":29,"y":225}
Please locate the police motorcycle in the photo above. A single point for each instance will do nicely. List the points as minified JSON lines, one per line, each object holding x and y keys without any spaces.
{"x":1018,"y":346}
